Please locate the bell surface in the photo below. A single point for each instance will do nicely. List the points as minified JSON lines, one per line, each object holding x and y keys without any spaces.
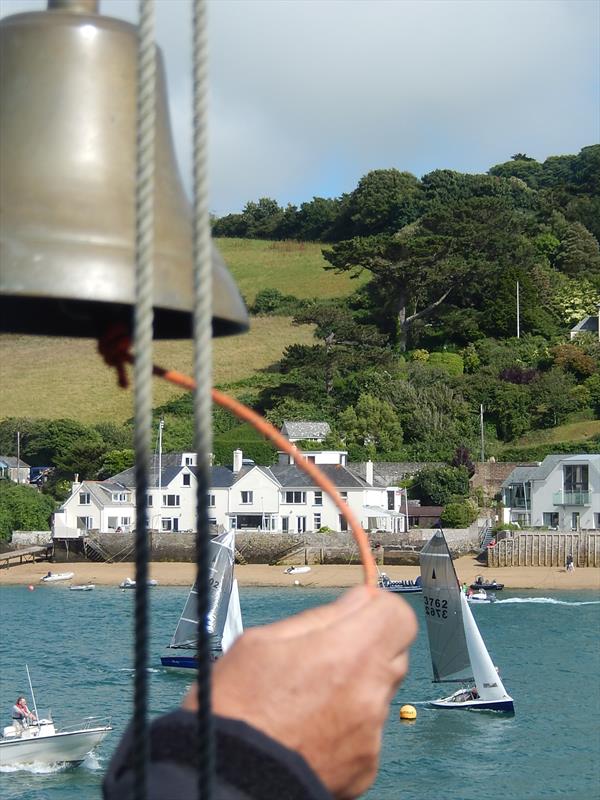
{"x":67,"y":185}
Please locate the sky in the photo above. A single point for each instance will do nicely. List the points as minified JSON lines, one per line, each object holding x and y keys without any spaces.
{"x":307,"y":96}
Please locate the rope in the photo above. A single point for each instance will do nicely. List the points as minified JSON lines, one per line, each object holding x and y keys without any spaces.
{"x":143,"y":319}
{"x":266,"y":429}
{"x":202,"y":270}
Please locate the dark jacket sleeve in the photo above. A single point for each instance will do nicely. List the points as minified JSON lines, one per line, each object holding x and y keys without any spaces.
{"x":249,"y":764}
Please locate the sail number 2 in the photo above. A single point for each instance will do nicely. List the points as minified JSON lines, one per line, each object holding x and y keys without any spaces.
{"x":434,"y":607}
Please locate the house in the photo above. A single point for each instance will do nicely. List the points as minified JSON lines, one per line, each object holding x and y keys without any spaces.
{"x":15,"y":469}
{"x":562,"y":492}
{"x":303,"y":431}
{"x":423,"y":516}
{"x":589,"y":324}
{"x":280,"y":498}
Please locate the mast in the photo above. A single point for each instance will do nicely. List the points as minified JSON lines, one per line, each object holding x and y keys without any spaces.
{"x":161,"y":425}
{"x":37,"y":716}
{"x":18,"y":456}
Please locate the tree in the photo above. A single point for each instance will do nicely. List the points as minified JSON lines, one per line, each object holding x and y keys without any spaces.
{"x":385,"y":200}
{"x":440,"y":485}
{"x":579,"y":254}
{"x":371,"y":424}
{"x":115,"y":461}
{"x":83,"y":456}
{"x":51,"y":438}
{"x":458,"y":515}
{"x":22,"y":507}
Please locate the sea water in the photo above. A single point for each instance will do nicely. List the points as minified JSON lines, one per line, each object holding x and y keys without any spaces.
{"x":78,"y":646}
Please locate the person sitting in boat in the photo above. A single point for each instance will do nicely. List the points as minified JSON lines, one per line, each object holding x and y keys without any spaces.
{"x":465,"y":588}
{"x":21,"y":715}
{"x":474,"y":693}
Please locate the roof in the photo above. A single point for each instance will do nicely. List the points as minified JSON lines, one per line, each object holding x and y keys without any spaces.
{"x":291,"y":476}
{"x":11,"y":462}
{"x":539,"y":472}
{"x":587,"y":324}
{"x":424,"y":511}
{"x":305,"y":430}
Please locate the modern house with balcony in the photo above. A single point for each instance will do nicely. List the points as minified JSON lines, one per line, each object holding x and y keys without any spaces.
{"x":561,"y":493}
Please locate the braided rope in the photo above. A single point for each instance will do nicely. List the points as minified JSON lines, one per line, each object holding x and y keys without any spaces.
{"x":143,"y":319}
{"x":202,"y":269}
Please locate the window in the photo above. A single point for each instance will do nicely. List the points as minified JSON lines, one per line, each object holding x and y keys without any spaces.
{"x":212,"y":501}
{"x":318,"y":498}
{"x":187,"y":479}
{"x":247,"y":498}
{"x":391,"y":496}
{"x":84,"y":498}
{"x":120,"y":497}
{"x":285,"y":524}
{"x":189,"y":461}
{"x":171,"y":500}
{"x":170,"y":524}
{"x":312,"y":459}
{"x":150,"y":501}
{"x":125,"y":520}
{"x":343,"y":523}
{"x":317,"y":522}
{"x":301,"y":524}
{"x":576,"y":478}
{"x":550,"y":519}
{"x":597,"y":516}
{"x":112,"y":523}
{"x":85,"y":523}
{"x":295,"y":497}
{"x":344,"y":495}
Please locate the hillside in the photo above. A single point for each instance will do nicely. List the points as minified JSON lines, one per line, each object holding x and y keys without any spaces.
{"x":54,"y":378}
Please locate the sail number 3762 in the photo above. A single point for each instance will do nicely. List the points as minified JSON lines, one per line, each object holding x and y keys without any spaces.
{"x":434,"y":607}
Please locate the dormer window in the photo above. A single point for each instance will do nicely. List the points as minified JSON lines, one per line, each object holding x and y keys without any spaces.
{"x":120,"y":497}
{"x":189,"y":461}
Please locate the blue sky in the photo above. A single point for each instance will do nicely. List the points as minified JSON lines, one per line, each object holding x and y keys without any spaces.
{"x":308,"y":95}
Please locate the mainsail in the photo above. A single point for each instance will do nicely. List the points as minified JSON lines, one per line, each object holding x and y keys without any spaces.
{"x":224,"y":601}
{"x":443,"y":610}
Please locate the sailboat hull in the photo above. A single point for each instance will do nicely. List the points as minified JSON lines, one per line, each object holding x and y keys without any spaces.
{"x":504,"y":706}
{"x":179,"y":663}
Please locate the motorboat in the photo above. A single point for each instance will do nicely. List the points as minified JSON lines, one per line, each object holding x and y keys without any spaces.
{"x":296,"y":570}
{"x":458,"y":652}
{"x":481,"y":596}
{"x":82,"y":587}
{"x":480,"y":583}
{"x":40,"y":742}
{"x":53,"y":577}
{"x":43,"y":743}
{"x":224,"y":619}
{"x":404,"y":587}
{"x":130,"y":584}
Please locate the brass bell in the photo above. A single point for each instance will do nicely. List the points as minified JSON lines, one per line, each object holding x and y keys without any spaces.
{"x":67,"y":172}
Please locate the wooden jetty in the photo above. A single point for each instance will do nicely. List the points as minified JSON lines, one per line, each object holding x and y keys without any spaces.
{"x":35,"y":553}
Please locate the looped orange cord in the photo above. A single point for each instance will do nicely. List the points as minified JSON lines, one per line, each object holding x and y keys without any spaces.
{"x":116,"y":353}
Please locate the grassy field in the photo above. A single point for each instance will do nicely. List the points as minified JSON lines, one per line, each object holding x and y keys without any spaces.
{"x":569,"y":432}
{"x":52,"y":378}
{"x":44,"y":377}
{"x":292,"y":267}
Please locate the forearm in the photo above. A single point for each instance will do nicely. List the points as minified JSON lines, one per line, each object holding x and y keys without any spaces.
{"x":249,"y":765}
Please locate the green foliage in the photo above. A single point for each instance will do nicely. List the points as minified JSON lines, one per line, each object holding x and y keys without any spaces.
{"x":593,"y":386}
{"x":458,"y":514}
{"x":274,"y":302}
{"x":23,"y":508}
{"x":371,"y":424}
{"x":572,"y":359}
{"x":248,"y":440}
{"x":440,"y":485}
{"x":539,"y":452}
{"x":451,"y":363}
{"x":116,"y":461}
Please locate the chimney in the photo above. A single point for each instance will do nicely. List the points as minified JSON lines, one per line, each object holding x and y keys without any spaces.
{"x":237,"y":461}
{"x":369,"y":472}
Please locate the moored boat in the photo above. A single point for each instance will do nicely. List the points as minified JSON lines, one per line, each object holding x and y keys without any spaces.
{"x":128,"y":583}
{"x":53,"y":577}
{"x":400,"y":587}
{"x":82,"y":587}
{"x":480,"y":583}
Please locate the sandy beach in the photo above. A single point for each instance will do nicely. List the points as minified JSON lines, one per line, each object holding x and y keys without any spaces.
{"x":182,"y":574}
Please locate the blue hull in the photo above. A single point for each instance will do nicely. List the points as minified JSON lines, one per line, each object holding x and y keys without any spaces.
{"x":179,"y":662}
{"x":505,"y":706}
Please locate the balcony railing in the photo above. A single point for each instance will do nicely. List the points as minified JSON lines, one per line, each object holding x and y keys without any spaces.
{"x":578,"y":498}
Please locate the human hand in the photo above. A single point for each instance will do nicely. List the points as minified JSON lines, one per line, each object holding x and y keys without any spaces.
{"x":321,"y":683}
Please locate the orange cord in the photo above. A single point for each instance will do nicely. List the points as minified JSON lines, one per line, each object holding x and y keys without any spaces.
{"x":115,"y":350}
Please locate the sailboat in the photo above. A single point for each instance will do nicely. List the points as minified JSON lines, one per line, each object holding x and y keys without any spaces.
{"x":224,"y":622}
{"x":458,"y":652}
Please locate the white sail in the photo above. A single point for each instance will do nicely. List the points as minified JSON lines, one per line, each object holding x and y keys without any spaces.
{"x":486,"y":677}
{"x":224,"y":618}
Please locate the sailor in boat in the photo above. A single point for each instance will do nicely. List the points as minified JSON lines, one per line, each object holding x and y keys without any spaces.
{"x":21,"y":715}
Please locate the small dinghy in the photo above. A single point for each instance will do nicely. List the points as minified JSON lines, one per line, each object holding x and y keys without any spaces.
{"x":296,"y":570}
{"x":129,"y":584}
{"x":458,"y":652}
{"x":41,"y":742}
{"x":480,"y":583}
{"x":398,"y":587}
{"x":53,"y":577}
{"x":82,"y":587}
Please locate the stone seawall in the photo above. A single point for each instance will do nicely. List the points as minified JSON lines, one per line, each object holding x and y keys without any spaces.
{"x":268,"y":548}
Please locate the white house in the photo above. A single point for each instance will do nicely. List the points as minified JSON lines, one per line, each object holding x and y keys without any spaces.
{"x":280,"y":498}
{"x":15,"y":469}
{"x":303,"y":431}
{"x":562,"y":492}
